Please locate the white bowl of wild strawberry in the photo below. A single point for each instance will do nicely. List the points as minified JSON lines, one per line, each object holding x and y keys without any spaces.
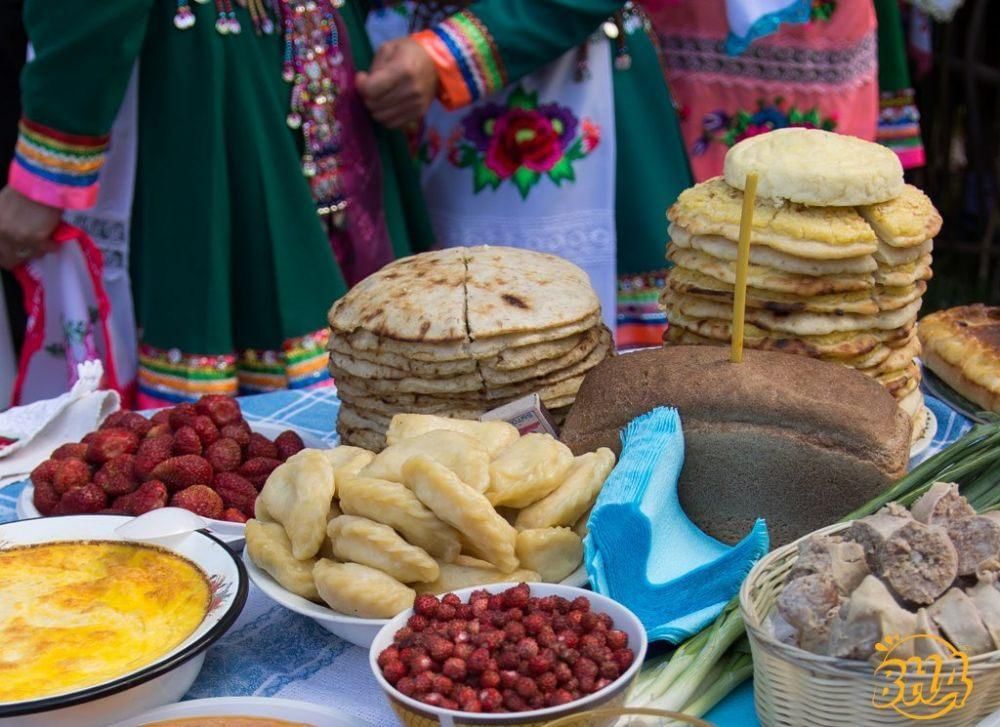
{"x":502,"y":655}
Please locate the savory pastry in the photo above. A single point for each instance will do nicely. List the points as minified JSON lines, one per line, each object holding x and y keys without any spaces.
{"x":454,"y":576}
{"x":528,"y":470}
{"x":298,"y":495}
{"x":270,"y":549}
{"x":962,"y":346}
{"x":577,"y":493}
{"x":493,"y":436}
{"x":360,"y":591}
{"x":373,"y":544}
{"x":459,"y":452}
{"x":553,"y":552}
{"x":467,"y":510}
{"x":395,"y":505}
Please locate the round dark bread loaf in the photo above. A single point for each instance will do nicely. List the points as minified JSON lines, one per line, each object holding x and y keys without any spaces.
{"x":797,"y":441}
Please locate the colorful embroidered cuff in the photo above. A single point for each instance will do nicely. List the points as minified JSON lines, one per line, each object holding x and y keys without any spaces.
{"x":467,"y":58}
{"x":899,"y":127}
{"x":56,"y":168}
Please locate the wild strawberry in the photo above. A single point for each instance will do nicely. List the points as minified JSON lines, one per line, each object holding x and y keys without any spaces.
{"x":130,"y":420}
{"x":72,"y":473}
{"x":426,"y":605}
{"x":207,"y":432}
{"x":224,"y":455}
{"x":558,"y":698}
{"x":160,"y":430}
{"x":161,"y":417}
{"x":454,"y":668}
{"x":516,"y":597}
{"x":46,"y":497}
{"x":238,"y":432}
{"x":235,"y":491}
{"x":178,"y":473}
{"x":394,"y":671}
{"x":261,"y":446}
{"x":609,"y":670}
{"x":87,"y":499}
{"x":152,"y":450}
{"x":70,"y":451}
{"x":257,"y":470}
{"x":117,"y":476}
{"x":624,"y":658}
{"x":288,"y":443}
{"x":186,"y":441}
{"x":232,"y":515}
{"x":45,"y":472}
{"x":616,"y":639}
{"x":221,"y":409}
{"x":182,"y":415}
{"x":109,"y":443}
{"x":406,"y":686}
{"x":199,"y":499}
{"x":490,"y":699}
{"x":151,"y":495}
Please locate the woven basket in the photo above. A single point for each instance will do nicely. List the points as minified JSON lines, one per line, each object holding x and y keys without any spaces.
{"x":795,"y":687}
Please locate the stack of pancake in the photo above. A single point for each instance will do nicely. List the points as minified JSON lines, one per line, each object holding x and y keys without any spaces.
{"x":839,"y":257}
{"x":459,"y":332}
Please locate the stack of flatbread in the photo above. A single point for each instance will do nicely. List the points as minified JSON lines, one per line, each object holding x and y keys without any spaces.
{"x":840,"y":254}
{"x":459,"y":332}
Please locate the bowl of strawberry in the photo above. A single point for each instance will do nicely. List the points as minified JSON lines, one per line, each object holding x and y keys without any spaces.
{"x":502,"y":655}
{"x":202,"y":456}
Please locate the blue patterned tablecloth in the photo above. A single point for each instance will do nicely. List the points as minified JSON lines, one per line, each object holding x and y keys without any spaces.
{"x":273,"y":652}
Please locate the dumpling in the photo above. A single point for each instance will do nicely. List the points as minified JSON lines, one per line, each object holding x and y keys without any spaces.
{"x":493,"y":436}
{"x":357,"y":590}
{"x":298,"y":494}
{"x":528,"y":470}
{"x":468,"y":511}
{"x":373,"y":544}
{"x":577,"y":493}
{"x":459,"y":452}
{"x":455,"y":576}
{"x":393,"y":504}
{"x":553,"y":552}
{"x":269,"y":548}
{"x":580,"y":527}
{"x":347,"y":461}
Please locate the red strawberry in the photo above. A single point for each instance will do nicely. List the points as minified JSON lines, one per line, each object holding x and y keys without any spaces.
{"x":109,"y":443}
{"x":235,"y":491}
{"x":199,"y":499}
{"x":258,"y":469}
{"x":159,"y":430}
{"x":178,"y":473}
{"x":161,"y":417}
{"x":72,"y":473}
{"x":239,"y":433}
{"x":151,"y":452}
{"x":45,"y":472}
{"x":151,"y":495}
{"x":221,"y":409}
{"x":46,"y":497}
{"x":261,"y":446}
{"x":186,"y":441}
{"x":206,"y":429}
{"x":288,"y":443}
{"x":117,"y":477}
{"x":128,"y":420}
{"x":182,"y":415}
{"x":70,"y":451}
{"x":231,"y":514}
{"x":86,"y":499}
{"x":224,"y":455}
{"x":111,"y":511}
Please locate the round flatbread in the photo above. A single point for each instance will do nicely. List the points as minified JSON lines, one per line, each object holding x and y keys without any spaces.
{"x":898,"y":359}
{"x":816,"y":167}
{"x":579,"y":362}
{"x":907,"y":220}
{"x":887,"y":298}
{"x":522,"y":357}
{"x":410,"y":384}
{"x":339,"y":345}
{"x":899,"y":276}
{"x":360,"y":368}
{"x":483,"y":348}
{"x":888,"y":256}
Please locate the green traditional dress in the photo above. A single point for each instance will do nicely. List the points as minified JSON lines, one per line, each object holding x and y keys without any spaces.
{"x":233,"y":269}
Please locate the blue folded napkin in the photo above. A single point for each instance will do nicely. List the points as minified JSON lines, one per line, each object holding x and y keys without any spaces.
{"x":644,"y":552}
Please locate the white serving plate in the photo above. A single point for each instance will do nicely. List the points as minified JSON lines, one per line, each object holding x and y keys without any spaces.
{"x":165,"y":680}
{"x":285,"y":709}
{"x":231,"y":533}
{"x":927,"y":436}
{"x":358,"y":631}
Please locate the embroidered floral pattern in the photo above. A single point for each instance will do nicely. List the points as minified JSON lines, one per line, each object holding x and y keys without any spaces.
{"x":719,"y":126}
{"x":424,"y":143}
{"x":822,"y":10}
{"x":521,"y":142}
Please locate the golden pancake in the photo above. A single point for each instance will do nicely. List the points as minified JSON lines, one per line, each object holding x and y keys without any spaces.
{"x":906,"y":274}
{"x":908,"y":220}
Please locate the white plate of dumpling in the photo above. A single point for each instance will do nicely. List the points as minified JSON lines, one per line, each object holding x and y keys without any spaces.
{"x":349,"y":538}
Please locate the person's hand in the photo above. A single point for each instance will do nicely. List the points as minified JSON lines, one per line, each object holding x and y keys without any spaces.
{"x":26,"y":228}
{"x":400,"y":85}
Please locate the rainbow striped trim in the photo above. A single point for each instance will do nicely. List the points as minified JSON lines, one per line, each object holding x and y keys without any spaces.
{"x":56,"y":168}
{"x":169,"y":377}
{"x":899,"y":127}
{"x":301,"y":363}
{"x":641,"y":319}
{"x":474,"y":52}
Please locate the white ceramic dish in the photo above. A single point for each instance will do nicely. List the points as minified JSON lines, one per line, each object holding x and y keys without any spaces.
{"x":412,"y":711}
{"x":165,"y":680}
{"x":359,"y":631}
{"x":232,"y":533}
{"x":285,"y":709}
{"x":927,"y":436}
